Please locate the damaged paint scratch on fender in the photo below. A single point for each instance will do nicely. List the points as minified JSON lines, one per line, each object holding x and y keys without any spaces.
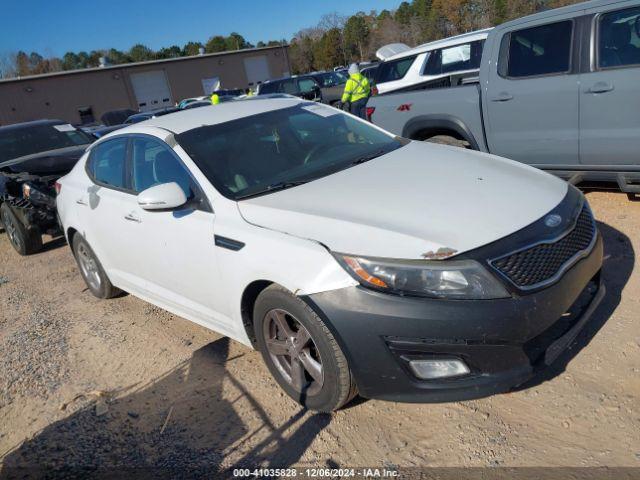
{"x":441,"y":254}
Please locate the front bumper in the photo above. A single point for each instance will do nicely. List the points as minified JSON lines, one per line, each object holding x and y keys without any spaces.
{"x":503,"y":341}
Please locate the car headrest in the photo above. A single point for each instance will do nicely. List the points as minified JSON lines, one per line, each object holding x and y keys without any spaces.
{"x":620,"y":35}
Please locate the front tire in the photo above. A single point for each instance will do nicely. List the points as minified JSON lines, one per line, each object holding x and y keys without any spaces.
{"x":25,"y":241}
{"x":91,"y":269}
{"x":301,"y":352}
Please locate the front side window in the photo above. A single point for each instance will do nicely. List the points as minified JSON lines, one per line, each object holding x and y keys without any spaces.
{"x":543,"y":50}
{"x":107,"y":163}
{"x":306,"y":85}
{"x":619,"y":38}
{"x":154,"y":164}
{"x":394,"y":69}
{"x":262,"y":153}
{"x":331,"y":79}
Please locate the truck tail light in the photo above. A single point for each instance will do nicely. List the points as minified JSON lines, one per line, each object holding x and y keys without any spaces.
{"x":58,"y":188}
{"x":369,"y":112}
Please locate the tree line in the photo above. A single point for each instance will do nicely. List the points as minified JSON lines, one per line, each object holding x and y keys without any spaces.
{"x":21,"y":63}
{"x":336,"y":40}
{"x":340,"y":40}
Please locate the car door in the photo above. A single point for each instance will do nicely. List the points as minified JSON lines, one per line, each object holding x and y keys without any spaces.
{"x":105,"y":207}
{"x":179,"y":268}
{"x":610,"y":94}
{"x":532,"y":97}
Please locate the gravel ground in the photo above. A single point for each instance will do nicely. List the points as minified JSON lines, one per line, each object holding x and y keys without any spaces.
{"x":97,"y":384}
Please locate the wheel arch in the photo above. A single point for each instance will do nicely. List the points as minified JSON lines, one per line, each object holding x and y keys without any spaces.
{"x":247,"y":303}
{"x":71,"y":232}
{"x":423,"y":127}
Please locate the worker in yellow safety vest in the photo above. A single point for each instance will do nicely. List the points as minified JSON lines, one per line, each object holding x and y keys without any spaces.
{"x":356,"y":91}
{"x":215,"y":98}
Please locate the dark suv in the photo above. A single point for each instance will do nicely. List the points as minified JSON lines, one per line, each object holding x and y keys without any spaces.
{"x":303,"y":86}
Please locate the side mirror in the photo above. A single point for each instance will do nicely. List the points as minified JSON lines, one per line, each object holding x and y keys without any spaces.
{"x":165,"y":196}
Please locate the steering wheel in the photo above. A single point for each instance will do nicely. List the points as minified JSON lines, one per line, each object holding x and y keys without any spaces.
{"x":314,"y":151}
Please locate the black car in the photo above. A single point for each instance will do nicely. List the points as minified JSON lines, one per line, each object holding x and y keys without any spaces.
{"x":303,"y":86}
{"x":142,"y":116}
{"x":33,"y":156}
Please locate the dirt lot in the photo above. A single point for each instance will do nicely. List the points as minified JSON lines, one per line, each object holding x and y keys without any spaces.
{"x":121,"y":383}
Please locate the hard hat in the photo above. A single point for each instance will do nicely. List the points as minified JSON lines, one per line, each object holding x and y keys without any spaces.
{"x":353,"y":68}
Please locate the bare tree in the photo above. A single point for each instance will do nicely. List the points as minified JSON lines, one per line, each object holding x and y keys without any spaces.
{"x":8,"y":65}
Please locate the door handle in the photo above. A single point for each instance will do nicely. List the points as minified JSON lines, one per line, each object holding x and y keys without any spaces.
{"x":82,"y":201}
{"x":132,"y":217}
{"x":502,"y":97}
{"x":600,"y":87}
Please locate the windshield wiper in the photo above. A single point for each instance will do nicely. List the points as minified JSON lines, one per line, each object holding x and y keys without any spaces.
{"x":274,"y":187}
{"x":366,"y":158}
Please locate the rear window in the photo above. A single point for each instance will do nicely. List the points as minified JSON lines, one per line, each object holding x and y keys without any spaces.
{"x":280,"y":86}
{"x":394,"y":69}
{"x":19,"y":142}
{"x":331,"y":79}
{"x":542,"y":50}
{"x":454,"y":59}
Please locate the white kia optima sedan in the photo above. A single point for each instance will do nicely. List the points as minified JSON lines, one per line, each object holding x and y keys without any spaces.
{"x":354,"y":260}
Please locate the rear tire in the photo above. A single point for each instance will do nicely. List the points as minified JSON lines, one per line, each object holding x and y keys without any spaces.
{"x":25,"y":241}
{"x":301,"y":352}
{"x":91,"y":269}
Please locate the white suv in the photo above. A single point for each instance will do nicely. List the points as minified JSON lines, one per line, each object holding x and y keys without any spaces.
{"x":404,"y":68}
{"x":354,"y":260}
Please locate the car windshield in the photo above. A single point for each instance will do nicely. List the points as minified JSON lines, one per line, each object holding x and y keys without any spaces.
{"x":19,"y":142}
{"x":270,"y":151}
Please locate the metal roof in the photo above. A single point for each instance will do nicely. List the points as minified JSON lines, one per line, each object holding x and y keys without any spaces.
{"x":137,"y":64}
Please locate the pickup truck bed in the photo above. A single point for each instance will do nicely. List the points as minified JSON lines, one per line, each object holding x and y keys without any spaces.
{"x":422,"y":114}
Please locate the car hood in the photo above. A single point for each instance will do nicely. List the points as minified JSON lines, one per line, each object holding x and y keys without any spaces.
{"x":419,"y":201}
{"x":59,"y":161}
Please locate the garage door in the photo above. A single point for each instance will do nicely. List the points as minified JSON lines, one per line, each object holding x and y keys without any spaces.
{"x":257,"y":69}
{"x":151,"y":90}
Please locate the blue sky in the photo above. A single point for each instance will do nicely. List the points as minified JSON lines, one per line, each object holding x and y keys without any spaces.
{"x":55,"y":27}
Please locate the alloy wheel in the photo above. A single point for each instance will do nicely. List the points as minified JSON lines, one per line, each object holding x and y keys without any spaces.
{"x":89,"y":267}
{"x":293,"y":352}
{"x":11,"y":229}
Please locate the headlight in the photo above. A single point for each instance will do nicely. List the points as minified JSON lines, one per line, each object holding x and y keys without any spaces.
{"x":459,"y":279}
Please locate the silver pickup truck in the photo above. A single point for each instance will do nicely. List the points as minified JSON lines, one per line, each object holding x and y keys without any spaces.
{"x":559,"y":90}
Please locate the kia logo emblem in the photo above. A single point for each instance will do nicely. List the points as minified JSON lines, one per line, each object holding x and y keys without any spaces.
{"x":553,"y":220}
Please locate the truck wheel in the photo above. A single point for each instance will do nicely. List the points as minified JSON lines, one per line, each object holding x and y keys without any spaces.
{"x":91,"y":269}
{"x":23,"y":240}
{"x":300,"y":351}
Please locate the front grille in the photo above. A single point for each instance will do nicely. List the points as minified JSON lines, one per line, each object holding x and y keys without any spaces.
{"x":540,"y":264}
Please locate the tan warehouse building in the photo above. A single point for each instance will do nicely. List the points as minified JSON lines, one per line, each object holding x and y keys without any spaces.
{"x":82,"y":96}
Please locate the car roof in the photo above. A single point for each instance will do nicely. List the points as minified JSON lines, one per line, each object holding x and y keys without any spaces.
{"x":34,"y":123}
{"x":576,"y":7}
{"x":445,"y":42}
{"x":188,"y":119}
